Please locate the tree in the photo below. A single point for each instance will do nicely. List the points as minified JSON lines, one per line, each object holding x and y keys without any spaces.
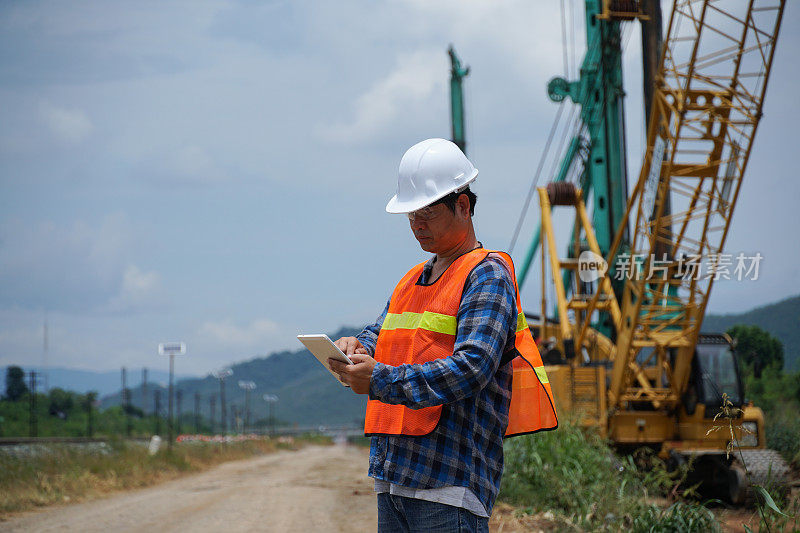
{"x":756,"y":348}
{"x":15,"y":384}
{"x":87,"y":402}
{"x":61,"y":403}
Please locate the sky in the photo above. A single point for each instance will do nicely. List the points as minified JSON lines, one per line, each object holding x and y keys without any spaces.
{"x":216,"y":172}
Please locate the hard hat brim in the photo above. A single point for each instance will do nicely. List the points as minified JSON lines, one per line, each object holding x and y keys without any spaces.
{"x":397,"y":207}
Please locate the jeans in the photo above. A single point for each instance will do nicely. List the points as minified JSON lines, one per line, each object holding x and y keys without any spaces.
{"x":401,"y":514}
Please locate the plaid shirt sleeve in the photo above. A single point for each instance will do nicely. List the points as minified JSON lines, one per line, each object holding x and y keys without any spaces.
{"x":486,"y":315}
{"x":369,"y":335}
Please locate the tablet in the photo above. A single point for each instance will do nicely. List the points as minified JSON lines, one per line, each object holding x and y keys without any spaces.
{"x":323,"y":349}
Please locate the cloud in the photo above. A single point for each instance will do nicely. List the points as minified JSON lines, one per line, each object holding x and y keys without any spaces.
{"x":138,"y":290}
{"x":192,"y":164}
{"x":187,"y":165}
{"x":404,"y":92}
{"x":68,"y":125}
{"x":227,"y":333}
{"x":513,"y":35}
{"x":82,"y":266}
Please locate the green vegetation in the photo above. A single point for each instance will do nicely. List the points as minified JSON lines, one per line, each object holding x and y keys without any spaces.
{"x":777,"y":393}
{"x":68,"y":414}
{"x":575,"y":475}
{"x":779,"y":319}
{"x":15,"y":383}
{"x":63,"y":473}
{"x":62,"y":413}
{"x":769,"y":387}
{"x":756,"y":348}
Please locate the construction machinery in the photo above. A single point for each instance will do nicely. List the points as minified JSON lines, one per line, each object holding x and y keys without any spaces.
{"x":624,"y":348}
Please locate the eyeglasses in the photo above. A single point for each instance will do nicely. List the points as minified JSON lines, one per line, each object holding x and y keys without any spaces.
{"x":425,"y":214}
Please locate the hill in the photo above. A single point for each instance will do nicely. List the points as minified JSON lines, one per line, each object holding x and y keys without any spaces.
{"x":781,"y":319}
{"x":307,"y":394}
{"x":83,"y":381}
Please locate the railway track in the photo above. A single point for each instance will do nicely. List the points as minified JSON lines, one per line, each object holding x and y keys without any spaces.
{"x":16,"y":441}
{"x":333,"y":431}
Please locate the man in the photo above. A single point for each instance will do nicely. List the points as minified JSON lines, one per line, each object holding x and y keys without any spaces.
{"x":436,"y":362}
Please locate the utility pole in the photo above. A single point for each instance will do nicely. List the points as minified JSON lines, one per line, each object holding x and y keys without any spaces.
{"x":271,"y":399}
{"x":197,"y":412}
{"x":45,"y":364}
{"x":157,"y":409}
{"x":222,"y":407}
{"x":144,"y":391}
{"x":126,"y":402}
{"x":91,"y":397}
{"x":33,"y":425}
{"x":221,"y":375}
{"x":179,"y":401}
{"x":212,"y":408}
{"x":247,"y":386}
{"x":235,"y":417}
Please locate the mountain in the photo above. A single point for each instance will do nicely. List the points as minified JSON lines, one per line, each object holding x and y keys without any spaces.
{"x":83,"y":381}
{"x":781,"y":319}
{"x":307,"y":394}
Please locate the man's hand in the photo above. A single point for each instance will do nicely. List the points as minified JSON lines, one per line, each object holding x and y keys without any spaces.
{"x":359,"y":375}
{"x":350,"y":345}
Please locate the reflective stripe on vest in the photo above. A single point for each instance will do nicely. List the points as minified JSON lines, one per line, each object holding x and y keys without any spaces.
{"x":431,"y":321}
{"x":420,"y":326}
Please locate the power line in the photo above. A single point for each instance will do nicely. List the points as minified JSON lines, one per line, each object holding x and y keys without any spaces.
{"x":564,"y":39}
{"x":536,"y":176}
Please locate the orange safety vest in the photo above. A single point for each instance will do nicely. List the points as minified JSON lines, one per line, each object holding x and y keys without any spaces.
{"x":420,"y":326}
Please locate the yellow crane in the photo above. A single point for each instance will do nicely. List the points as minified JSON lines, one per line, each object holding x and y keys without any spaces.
{"x":657,"y":380}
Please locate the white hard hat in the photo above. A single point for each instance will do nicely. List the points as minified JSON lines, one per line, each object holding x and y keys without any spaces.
{"x":430,"y":170}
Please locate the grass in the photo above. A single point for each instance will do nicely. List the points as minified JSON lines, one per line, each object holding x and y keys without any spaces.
{"x":783,"y":434}
{"x":360,"y":441}
{"x":66,"y":474}
{"x":771,"y":515}
{"x":575,"y":477}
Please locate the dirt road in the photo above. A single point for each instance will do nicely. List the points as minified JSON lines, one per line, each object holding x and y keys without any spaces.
{"x":315,"y":489}
{"x":319,"y":488}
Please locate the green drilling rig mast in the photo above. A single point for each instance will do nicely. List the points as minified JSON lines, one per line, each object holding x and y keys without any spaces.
{"x":597,"y":150}
{"x":457,"y":75}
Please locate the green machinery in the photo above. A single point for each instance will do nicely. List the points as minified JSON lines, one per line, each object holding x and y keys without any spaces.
{"x":457,"y":75}
{"x":597,"y":150}
{"x":629,"y":355}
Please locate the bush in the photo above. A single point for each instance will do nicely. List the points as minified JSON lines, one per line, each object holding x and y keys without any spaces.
{"x":575,"y":474}
{"x":776,"y":393}
{"x":783,"y":435}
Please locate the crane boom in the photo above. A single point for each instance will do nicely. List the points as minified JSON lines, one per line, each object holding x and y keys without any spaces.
{"x":657,"y":380}
{"x":706,"y":109}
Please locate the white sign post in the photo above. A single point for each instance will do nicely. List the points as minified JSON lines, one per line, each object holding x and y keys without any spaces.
{"x":171,"y":349}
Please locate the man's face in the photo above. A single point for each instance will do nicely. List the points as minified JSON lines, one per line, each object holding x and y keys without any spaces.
{"x":437,"y":229}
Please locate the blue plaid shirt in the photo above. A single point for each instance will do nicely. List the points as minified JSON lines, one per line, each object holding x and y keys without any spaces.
{"x":466,"y":448}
